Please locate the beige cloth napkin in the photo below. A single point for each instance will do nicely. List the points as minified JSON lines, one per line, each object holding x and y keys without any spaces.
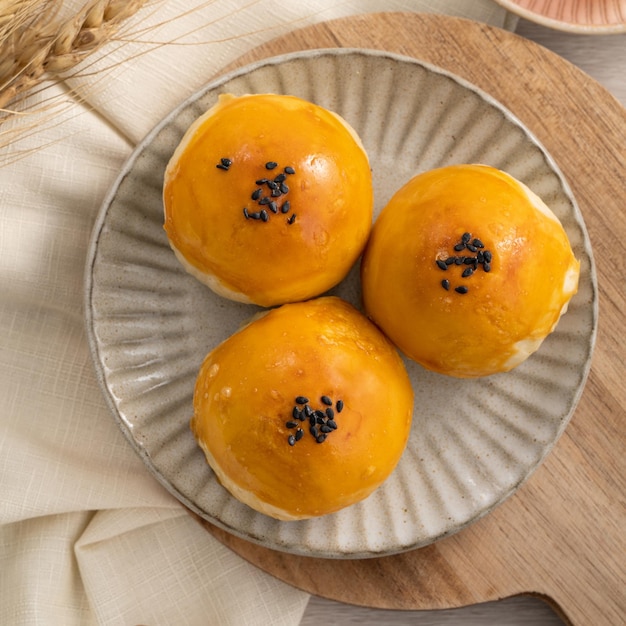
{"x":87,"y":536}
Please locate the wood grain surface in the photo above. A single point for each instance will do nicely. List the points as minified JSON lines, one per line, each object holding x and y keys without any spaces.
{"x":561,"y":536}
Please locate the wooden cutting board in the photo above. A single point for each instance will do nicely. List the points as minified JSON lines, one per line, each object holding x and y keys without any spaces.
{"x":562,"y":535}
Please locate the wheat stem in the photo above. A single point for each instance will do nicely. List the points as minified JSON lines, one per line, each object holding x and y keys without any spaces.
{"x":35,"y":42}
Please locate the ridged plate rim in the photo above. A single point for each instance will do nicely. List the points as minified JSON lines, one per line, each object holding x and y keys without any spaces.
{"x":355,"y":532}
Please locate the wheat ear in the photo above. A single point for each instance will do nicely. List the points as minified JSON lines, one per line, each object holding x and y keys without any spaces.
{"x":35,"y":43}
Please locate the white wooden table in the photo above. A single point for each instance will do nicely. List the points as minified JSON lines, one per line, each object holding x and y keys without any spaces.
{"x":604,"y":59}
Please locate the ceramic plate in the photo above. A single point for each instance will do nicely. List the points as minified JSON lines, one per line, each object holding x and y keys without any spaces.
{"x":150,"y":324}
{"x":588,"y":17}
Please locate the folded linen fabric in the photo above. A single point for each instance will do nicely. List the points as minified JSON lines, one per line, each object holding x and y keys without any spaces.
{"x":87,"y":536}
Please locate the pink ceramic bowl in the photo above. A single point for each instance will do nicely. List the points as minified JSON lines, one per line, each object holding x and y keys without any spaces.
{"x":590,"y":17}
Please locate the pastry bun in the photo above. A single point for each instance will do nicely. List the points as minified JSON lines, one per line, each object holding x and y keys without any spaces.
{"x":268,"y":199}
{"x":255,"y":392}
{"x":467,"y":271}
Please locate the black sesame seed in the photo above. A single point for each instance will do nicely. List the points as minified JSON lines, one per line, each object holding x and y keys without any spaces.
{"x":272,"y":207}
{"x":290,"y":424}
{"x":480,"y":257}
{"x":289,"y":170}
{"x":299,"y":434}
{"x":308,"y":411}
{"x":301,"y":400}
{"x":256,"y":194}
{"x":471,"y":247}
{"x":255,"y":216}
{"x":330,"y":413}
{"x":291,"y":440}
{"x":284,"y":188}
{"x":296,"y":413}
{"x":261,"y":181}
{"x":319,"y":414}
{"x":459,"y":247}
{"x":286,"y":206}
{"x":276,"y":193}
{"x":270,"y":165}
{"x":321,"y":438}
{"x":461,"y":289}
{"x":265,"y":201}
{"x":478,"y":243}
{"x":272,"y":185}
{"x":339,"y":406}
{"x":325,"y":429}
{"x":450,"y":260}
{"x":319,"y":420}
{"x":445,"y":284}
{"x":487,"y":266}
{"x":487,"y":256}
{"x":264,"y":215}
{"x":331,"y":424}
{"x":292,"y":219}
{"x":468,"y":271}
{"x":326,"y":400}
{"x":442,"y":265}
{"x":313,"y":431}
{"x":466,"y":237}
{"x":221,"y":166}
{"x":459,"y":260}
{"x":312,"y":420}
{"x":469,"y":260}
{"x":280,"y":178}
{"x":245,"y":213}
{"x":226,"y":161}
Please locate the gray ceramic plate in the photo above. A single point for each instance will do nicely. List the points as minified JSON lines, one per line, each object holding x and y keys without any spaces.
{"x":150,"y":324}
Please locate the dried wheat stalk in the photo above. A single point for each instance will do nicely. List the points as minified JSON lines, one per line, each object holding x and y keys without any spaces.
{"x":35,"y":42}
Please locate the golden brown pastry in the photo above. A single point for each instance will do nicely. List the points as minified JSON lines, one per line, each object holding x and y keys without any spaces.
{"x":304,"y":411}
{"x":268,"y":199}
{"x":467,"y":271}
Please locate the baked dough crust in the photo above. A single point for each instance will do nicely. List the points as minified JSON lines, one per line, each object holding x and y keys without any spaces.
{"x":246,"y":392}
{"x":507,"y":311}
{"x":296,"y":251}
